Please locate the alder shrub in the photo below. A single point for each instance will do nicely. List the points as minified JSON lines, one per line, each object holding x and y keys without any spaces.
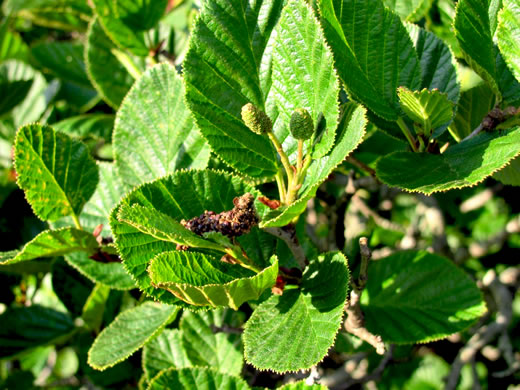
{"x":242,"y":190}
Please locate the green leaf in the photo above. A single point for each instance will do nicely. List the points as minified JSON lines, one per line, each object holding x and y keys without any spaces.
{"x":97,"y":126}
{"x":416,"y":297}
{"x":373,"y":52}
{"x":351,"y":130}
{"x":128,"y":332}
{"x":226,"y":67}
{"x":29,"y":327}
{"x":11,"y":44}
{"x":462,"y":165}
{"x":303,"y":76}
{"x":207,"y":348}
{"x":205,"y":281}
{"x":473,"y":106}
{"x":475,"y":26}
{"x":15,"y":93}
{"x":107,"y":74}
{"x":112,"y":275}
{"x":97,"y":210}
{"x":412,"y":10}
{"x":154,"y":132}
{"x":56,"y":14}
{"x":196,"y":378}
{"x":64,"y":59}
{"x":161,"y":226}
{"x":294,"y":331}
{"x":510,"y":174}
{"x":95,"y":307}
{"x":182,"y":195}
{"x":125,"y":20}
{"x":56,"y":172}
{"x":508,"y":35}
{"x":36,"y":99}
{"x":51,"y":243}
{"x":438,"y":65}
{"x":70,"y":286}
{"x":163,"y":352}
{"x":428,"y":109}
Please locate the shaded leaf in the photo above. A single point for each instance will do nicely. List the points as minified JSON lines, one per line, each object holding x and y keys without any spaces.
{"x":57,"y":14}
{"x":97,"y":126}
{"x":56,"y":172}
{"x":205,"y":281}
{"x":154,"y":132}
{"x":462,"y":165}
{"x":64,"y":59}
{"x":510,"y":174}
{"x":94,"y":307}
{"x":475,"y":25}
{"x":196,"y":378}
{"x":71,"y":287}
{"x":112,"y":275}
{"x":29,"y":327}
{"x":412,"y":10}
{"x":37,"y":98}
{"x":438,"y":66}
{"x":226,"y":67}
{"x":415,"y":297}
{"x":107,"y":74}
{"x":473,"y":106}
{"x":373,"y":52}
{"x":128,"y":332}
{"x":294,"y":331}
{"x":125,"y":20}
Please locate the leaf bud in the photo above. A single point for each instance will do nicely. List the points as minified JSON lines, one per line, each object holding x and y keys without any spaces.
{"x":301,"y":125}
{"x":256,"y":120}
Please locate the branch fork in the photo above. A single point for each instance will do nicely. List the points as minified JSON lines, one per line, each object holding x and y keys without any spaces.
{"x":355,"y":321}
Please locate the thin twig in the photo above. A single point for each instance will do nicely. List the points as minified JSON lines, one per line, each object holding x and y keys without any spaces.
{"x":474,"y":132}
{"x":361,"y":165}
{"x":486,"y":333}
{"x":369,"y":213}
{"x":288,"y":235}
{"x":355,"y":321}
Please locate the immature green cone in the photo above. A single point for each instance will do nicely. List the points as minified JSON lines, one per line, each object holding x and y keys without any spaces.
{"x":301,"y":125}
{"x":257,"y":120}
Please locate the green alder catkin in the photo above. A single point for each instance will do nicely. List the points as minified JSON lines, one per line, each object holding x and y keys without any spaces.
{"x":301,"y":125}
{"x":256,"y":120}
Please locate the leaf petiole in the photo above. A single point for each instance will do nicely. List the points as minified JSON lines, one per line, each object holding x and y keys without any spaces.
{"x":406,"y":131}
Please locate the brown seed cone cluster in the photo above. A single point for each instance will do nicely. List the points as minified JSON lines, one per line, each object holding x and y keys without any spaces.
{"x":232,"y":223}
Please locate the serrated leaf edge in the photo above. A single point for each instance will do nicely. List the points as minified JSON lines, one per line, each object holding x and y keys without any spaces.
{"x":118,"y":318}
{"x":333,"y":339}
{"x":223,"y":285}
